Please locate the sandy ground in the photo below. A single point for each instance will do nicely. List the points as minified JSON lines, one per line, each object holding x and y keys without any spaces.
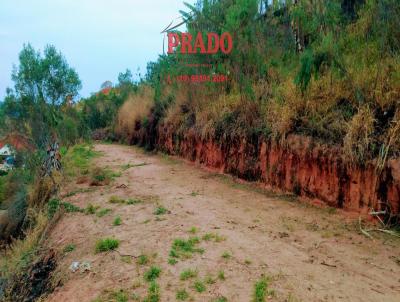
{"x":308,"y":253}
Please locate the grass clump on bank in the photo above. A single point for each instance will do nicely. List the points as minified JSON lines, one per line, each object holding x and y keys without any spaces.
{"x":106,"y":244}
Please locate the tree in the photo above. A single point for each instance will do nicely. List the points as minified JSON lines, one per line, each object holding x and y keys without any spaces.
{"x":42,"y":84}
{"x":49,"y":78}
{"x":125,"y":78}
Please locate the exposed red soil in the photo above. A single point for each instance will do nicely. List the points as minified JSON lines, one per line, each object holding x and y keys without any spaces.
{"x":300,"y":165}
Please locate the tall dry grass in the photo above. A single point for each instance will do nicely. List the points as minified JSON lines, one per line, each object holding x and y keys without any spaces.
{"x":133,"y":112}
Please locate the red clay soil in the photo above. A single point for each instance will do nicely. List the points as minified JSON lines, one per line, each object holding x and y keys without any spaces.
{"x":311,"y":170}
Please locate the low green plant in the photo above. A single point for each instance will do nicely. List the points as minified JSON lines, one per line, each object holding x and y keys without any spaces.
{"x":117,"y":221}
{"x":182,"y":248}
{"x":199,"y":286}
{"x":116,"y":199}
{"x":55,"y":204}
{"x":106,"y":244}
{"x":188,"y":273}
{"x":160,"y":210}
{"x":226,"y":255}
{"x":193,"y":230}
{"x":153,"y":293}
{"x":152,"y":274}
{"x":69,"y":248}
{"x":260,"y":290}
{"x":209,"y":279}
{"x":103,"y":212}
{"x":182,"y":295}
{"x":90,"y":209}
{"x":221,"y":275}
{"x":132,"y":201}
{"x":214,"y":237}
{"x":142,"y":259}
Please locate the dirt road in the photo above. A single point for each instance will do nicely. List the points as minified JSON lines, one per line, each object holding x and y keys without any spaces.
{"x":244,"y":235}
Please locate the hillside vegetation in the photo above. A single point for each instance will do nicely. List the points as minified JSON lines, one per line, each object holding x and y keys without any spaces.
{"x":326,"y":69}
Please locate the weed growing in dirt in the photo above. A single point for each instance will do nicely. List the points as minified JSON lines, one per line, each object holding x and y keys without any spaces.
{"x":213,"y":237}
{"x":160,"y":210}
{"x":54,"y":205}
{"x":193,"y":230}
{"x":69,"y":248}
{"x":182,"y":295}
{"x":106,"y":244}
{"x":152,"y":274}
{"x":199,"y":286}
{"x":115,"y":296}
{"x":100,"y":176}
{"x":182,"y":248}
{"x":117,"y":221}
{"x":247,"y":262}
{"x":103,"y":212}
{"x":153,"y":293}
{"x":115,"y":199}
{"x":226,"y":255}
{"x":261,"y":290}
{"x":142,"y":259}
{"x":188,"y":273}
{"x":172,"y":261}
{"x":221,"y":275}
{"x":194,"y":193}
{"x":132,"y":201}
{"x":90,"y":209}
{"x":209,"y":279}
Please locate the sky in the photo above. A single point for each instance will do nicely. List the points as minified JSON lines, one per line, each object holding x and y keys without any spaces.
{"x":98,"y":38}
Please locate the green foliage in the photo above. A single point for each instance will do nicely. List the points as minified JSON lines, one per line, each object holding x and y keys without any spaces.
{"x":182,"y":248}
{"x":54,"y":205}
{"x":69,"y":248}
{"x":152,"y":274}
{"x":188,"y":273}
{"x":182,"y":295}
{"x":341,"y":56}
{"x":260,"y":290}
{"x":199,"y":286}
{"x":39,"y":105}
{"x":106,"y":244}
{"x":103,"y":212}
{"x":160,"y":210}
{"x":153,"y":293}
{"x":117,"y":221}
{"x":142,"y":259}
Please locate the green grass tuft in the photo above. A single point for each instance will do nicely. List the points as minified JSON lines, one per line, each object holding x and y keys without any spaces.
{"x":117,"y":221}
{"x":160,"y":210}
{"x":188,"y":273}
{"x":199,"y":286}
{"x":152,"y":274}
{"x":106,"y":244}
{"x":182,"y":295}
